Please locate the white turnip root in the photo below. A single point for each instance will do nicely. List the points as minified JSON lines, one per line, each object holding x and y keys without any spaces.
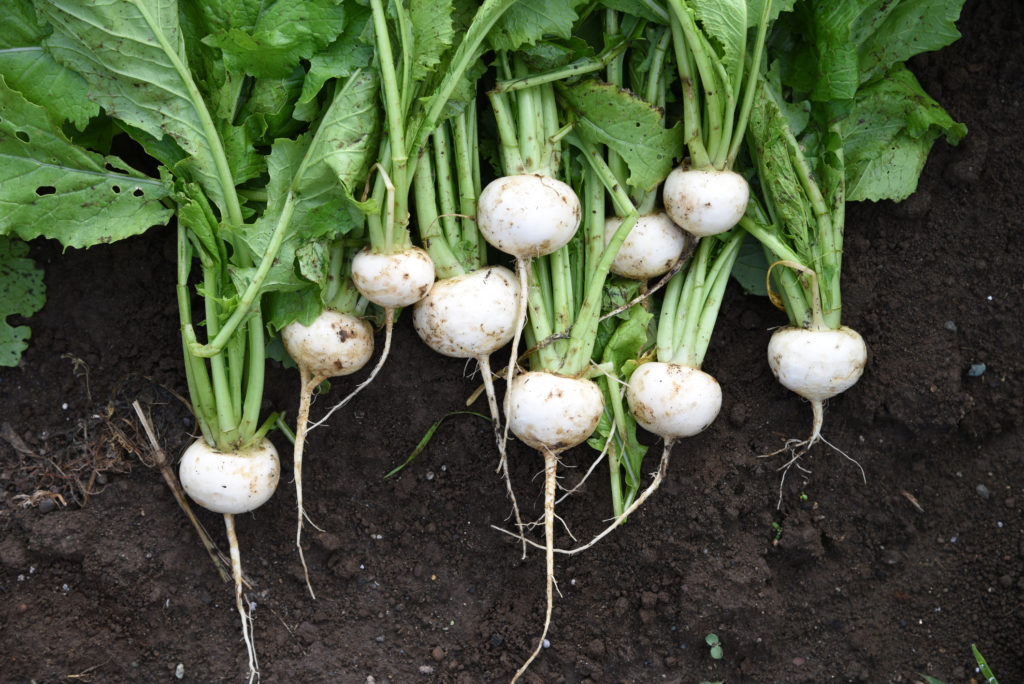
{"x":651,"y":249}
{"x":817,"y":365}
{"x":334,"y":344}
{"x":705,"y":201}
{"x":393,"y":279}
{"x":528,"y":215}
{"x":231,"y":483}
{"x":552,"y":413}
{"x":471,"y":316}
{"x":672,"y":400}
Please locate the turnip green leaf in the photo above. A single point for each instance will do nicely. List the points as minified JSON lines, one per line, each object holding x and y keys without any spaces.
{"x":50,"y":187}
{"x":633,"y":128}
{"x":22,"y":293}
{"x":28,"y":69}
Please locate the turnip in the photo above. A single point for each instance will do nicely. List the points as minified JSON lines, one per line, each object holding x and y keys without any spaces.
{"x":232,"y":468}
{"x":705,"y":201}
{"x":651,"y":249}
{"x":334,"y":344}
{"x":704,"y":196}
{"x":800,"y":226}
{"x":232,"y":482}
{"x":551,"y":413}
{"x":472,"y":309}
{"x":672,"y":397}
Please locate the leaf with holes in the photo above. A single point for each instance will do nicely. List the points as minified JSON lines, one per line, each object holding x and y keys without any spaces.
{"x":52,"y":188}
{"x":22,"y":293}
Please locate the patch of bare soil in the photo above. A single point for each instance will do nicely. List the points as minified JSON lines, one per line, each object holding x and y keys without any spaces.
{"x":876,"y":581}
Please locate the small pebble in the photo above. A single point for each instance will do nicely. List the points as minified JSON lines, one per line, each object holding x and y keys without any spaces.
{"x":950,"y":326}
{"x":47,"y":505}
{"x":437,"y":654}
{"x":798,"y":661}
{"x":179,"y":671}
{"x":983,"y":491}
{"x":426,"y":669}
{"x":976,"y":370}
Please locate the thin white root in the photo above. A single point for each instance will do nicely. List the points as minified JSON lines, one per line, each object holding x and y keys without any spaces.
{"x":593,"y":466}
{"x":523,"y":271}
{"x":302,"y":428}
{"x":550,"y":466}
{"x":309,"y":383}
{"x":492,"y":402}
{"x":389,"y":324}
{"x":797,"y":448}
{"x":236,"y":572}
{"x":655,"y":483}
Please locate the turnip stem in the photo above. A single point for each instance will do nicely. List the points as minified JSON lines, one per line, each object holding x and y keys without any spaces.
{"x":236,"y":572}
{"x":550,"y":484}
{"x":692,"y":119}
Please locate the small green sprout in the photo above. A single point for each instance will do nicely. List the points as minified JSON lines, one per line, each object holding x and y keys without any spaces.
{"x":777,"y":532}
{"x":716,"y":646}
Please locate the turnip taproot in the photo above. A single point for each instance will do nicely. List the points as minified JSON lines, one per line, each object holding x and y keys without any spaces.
{"x":334,"y":344}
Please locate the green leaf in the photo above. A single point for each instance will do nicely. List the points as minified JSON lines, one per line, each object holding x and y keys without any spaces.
{"x":637,"y":8}
{"x":22,"y":293}
{"x":725,"y":22}
{"x":888,"y":136}
{"x":633,"y":128}
{"x":347,"y":137}
{"x":528,"y":21}
{"x":52,"y":188}
{"x":284,"y":306}
{"x":342,"y":57}
{"x":751,"y":268}
{"x":779,"y":180}
{"x":285,"y":32}
{"x":34,"y":73}
{"x":432,"y":32}
{"x":901,"y":30}
{"x":131,"y":53}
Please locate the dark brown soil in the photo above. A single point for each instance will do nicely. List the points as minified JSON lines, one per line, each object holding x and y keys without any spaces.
{"x":882,"y":581}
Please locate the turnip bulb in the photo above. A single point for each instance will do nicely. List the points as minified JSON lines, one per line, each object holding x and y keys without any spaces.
{"x":705,"y":201}
{"x":333,"y":345}
{"x":552,"y":412}
{"x":528,"y":215}
{"x":673,"y":400}
{"x":229,"y":482}
{"x":652,"y":247}
{"x":393,"y":279}
{"x":471,"y":315}
{"x":817,"y":364}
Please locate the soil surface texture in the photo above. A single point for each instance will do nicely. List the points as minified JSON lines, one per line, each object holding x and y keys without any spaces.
{"x":881,"y":563}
